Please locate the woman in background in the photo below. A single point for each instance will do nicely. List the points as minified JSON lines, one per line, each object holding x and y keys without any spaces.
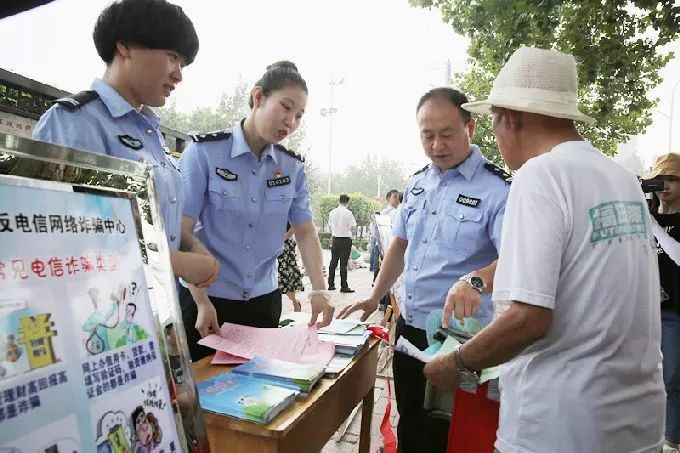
{"x":290,"y":277}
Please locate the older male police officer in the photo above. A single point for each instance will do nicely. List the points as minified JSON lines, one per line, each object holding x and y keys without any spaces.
{"x":449,"y":225}
{"x":145,"y":45}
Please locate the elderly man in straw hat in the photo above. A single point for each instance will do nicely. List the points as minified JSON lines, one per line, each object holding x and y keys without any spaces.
{"x":576,"y":289}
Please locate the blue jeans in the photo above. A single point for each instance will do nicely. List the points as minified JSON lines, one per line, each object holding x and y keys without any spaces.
{"x":670,"y":346}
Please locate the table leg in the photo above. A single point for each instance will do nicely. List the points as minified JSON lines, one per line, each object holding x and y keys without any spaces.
{"x":366,"y":418}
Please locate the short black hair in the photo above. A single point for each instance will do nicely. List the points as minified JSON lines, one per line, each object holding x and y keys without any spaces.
{"x":344,"y":198}
{"x":278,"y":76}
{"x":154,"y":24}
{"x":136,"y":413}
{"x":389,"y":194}
{"x":454,"y":96}
{"x":401,"y":197}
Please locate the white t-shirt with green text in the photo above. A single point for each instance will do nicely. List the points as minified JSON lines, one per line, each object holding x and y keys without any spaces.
{"x":577,"y":240}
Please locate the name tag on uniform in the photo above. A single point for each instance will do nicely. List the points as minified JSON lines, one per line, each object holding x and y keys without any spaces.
{"x":225,"y":174}
{"x":130,"y":142}
{"x":282,"y":181}
{"x":417,"y":190}
{"x":467,"y":201}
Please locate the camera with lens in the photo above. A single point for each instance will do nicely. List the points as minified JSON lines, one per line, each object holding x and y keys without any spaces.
{"x":651,"y":185}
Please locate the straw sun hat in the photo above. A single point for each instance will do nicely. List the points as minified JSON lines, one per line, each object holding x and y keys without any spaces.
{"x":666,"y":165}
{"x":535,"y":81}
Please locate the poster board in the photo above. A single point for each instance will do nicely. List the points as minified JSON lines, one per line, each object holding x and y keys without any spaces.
{"x":90,"y":335}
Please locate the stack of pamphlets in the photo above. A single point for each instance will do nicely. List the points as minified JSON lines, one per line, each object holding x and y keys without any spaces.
{"x":337,"y":364}
{"x":244,"y":397}
{"x":348,"y":335}
{"x":346,"y":344}
{"x":297,"y":376}
{"x":237,"y":344}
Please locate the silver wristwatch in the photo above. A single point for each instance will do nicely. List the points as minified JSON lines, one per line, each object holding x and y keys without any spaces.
{"x":474,"y":281}
{"x":466,"y":374}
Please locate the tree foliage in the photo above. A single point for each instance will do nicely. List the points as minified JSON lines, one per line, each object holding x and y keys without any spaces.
{"x":362,"y":177}
{"x":230,"y":110}
{"x":361,"y":206}
{"x":617,"y":44}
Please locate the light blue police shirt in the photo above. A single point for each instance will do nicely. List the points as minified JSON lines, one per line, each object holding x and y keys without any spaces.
{"x":243,"y":205}
{"x":452,"y":222}
{"x":110,"y":125}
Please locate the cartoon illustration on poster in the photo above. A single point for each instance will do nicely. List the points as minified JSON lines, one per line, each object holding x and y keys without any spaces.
{"x":27,"y":338}
{"x":78,"y":338}
{"x":112,"y":319}
{"x":138,"y":420}
{"x":61,"y":436}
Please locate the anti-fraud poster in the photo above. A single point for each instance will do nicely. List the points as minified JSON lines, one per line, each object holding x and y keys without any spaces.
{"x":80,"y":367}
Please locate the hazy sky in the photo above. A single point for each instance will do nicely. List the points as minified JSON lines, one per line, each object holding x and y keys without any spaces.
{"x":387,"y":52}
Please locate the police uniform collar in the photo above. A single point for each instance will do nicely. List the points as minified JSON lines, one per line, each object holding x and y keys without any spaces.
{"x":469,"y":166}
{"x":239,"y":146}
{"x":117,"y":105}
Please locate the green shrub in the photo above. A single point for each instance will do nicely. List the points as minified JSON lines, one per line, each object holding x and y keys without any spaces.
{"x":325,"y":240}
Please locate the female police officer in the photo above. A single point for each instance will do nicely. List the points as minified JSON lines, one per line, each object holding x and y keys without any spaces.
{"x":244,"y":188}
{"x":145,"y":45}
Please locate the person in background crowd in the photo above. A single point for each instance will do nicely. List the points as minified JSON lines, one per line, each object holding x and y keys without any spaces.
{"x":290,"y":277}
{"x":392,"y":204}
{"x":449,"y":225}
{"x":665,"y":208}
{"x":342,"y":224}
{"x":145,"y":44}
{"x":245,"y":188}
{"x":393,"y":201}
{"x":579,"y":344}
{"x":375,"y":252}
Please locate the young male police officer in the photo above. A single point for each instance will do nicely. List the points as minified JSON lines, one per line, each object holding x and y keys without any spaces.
{"x":145,"y":45}
{"x":449,"y":224}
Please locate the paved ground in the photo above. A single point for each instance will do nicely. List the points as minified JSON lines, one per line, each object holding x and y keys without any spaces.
{"x":360,"y":280}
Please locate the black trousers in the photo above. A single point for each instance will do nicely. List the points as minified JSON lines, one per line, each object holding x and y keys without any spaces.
{"x":340,"y":250}
{"x":261,"y":311}
{"x":417,"y":432}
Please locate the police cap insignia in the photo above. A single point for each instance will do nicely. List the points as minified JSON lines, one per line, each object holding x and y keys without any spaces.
{"x":75,"y":101}
{"x":498,"y":171}
{"x":211,"y":136}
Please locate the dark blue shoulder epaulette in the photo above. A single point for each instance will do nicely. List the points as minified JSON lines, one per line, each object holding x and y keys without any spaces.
{"x":498,"y":171}
{"x":211,"y":136}
{"x":75,"y":101}
{"x":421,"y":170}
{"x":292,"y":154}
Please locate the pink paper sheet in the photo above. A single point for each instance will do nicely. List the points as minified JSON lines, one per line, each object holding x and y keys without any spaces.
{"x":224,"y":358}
{"x":323,"y":355}
{"x":247,"y":342}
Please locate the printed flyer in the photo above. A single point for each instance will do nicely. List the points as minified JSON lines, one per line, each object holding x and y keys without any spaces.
{"x":80,"y":365}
